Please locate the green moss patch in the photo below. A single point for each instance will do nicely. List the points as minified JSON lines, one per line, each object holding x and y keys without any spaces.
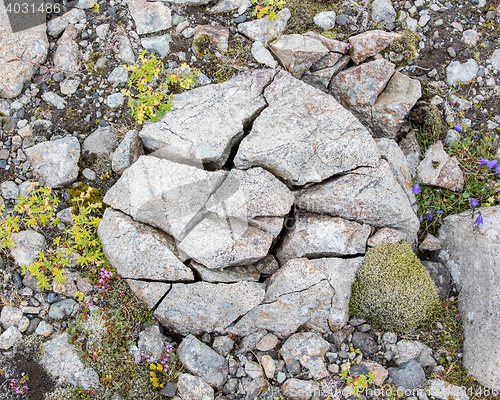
{"x":429,"y":120}
{"x":303,"y":12}
{"x":404,"y":48}
{"x":392,"y":289}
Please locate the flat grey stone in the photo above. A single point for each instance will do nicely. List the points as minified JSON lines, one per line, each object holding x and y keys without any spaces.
{"x":157,"y":44}
{"x":193,"y":387}
{"x":264,"y":29}
{"x":128,"y":152}
{"x":10,"y":338}
{"x":55,"y":100}
{"x":369,"y":195}
{"x":138,"y":251}
{"x":461,"y":72}
{"x":162,"y":193}
{"x":206,"y":307}
{"x":465,"y":244}
{"x":9,"y":190}
{"x":55,"y":162}
{"x":102,"y":142}
{"x":28,"y":244}
{"x":322,"y":236}
{"x":61,"y":360}
{"x":202,"y":361}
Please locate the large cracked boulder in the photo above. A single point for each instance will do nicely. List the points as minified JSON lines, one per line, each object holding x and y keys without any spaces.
{"x":471,"y":254}
{"x":20,"y":52}
{"x":305,"y":138}
{"x":208,"y":121}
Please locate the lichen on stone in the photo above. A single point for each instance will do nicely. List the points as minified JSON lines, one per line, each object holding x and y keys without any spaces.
{"x":404,"y":48}
{"x":392,"y":289}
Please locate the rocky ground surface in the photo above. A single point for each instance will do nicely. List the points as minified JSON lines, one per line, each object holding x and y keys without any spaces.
{"x":238,"y":221}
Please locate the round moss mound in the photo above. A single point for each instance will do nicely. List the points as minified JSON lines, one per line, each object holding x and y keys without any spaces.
{"x":392,"y":289}
{"x":404,"y":48}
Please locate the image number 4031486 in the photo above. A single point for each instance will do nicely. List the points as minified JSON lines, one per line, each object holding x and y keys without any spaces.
{"x":26,"y":14}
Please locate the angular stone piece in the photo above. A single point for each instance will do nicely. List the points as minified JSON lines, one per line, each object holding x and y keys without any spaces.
{"x":440,"y":275}
{"x":369,"y":195}
{"x":331,"y":44}
{"x":10,"y":316}
{"x":390,"y":151}
{"x":305,"y":139}
{"x":28,"y":47}
{"x":138,"y":251}
{"x":383,"y":12}
{"x":149,"y":292}
{"x":219,"y":242}
{"x":387,"y":235}
{"x":393,"y":105}
{"x":202,"y":361}
{"x":102,"y":142}
{"x":62,"y":361}
{"x":9,"y":338}
{"x":158,"y":44}
{"x":226,"y":275}
{"x":191,"y":387}
{"x":461,"y":72}
{"x":297,"y":53}
{"x":218,"y":35}
{"x":207,"y":121}
{"x":298,"y":389}
{"x":251,"y":193}
{"x":430,"y":243}
{"x":323,"y":236}
{"x":206,"y":307}
{"x":263,"y":55}
{"x":149,"y":16}
{"x":67,"y":53}
{"x":327,"y":61}
{"x":56,"y":161}
{"x":470,"y":252}
{"x":439,"y":169}
{"x":27,"y":245}
{"x":309,"y":293}
{"x":162,"y":193}
{"x":263,"y":29}
{"x":127,"y":152}
{"x":370,"y":43}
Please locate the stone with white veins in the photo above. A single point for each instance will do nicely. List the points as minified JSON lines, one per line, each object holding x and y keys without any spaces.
{"x":439,"y":169}
{"x":55,"y":161}
{"x":369,"y":195}
{"x":264,"y":29}
{"x":207,"y":307}
{"x":305,"y":138}
{"x":162,"y":193}
{"x":297,"y":53}
{"x":149,"y":292}
{"x":207,"y":121}
{"x":219,"y":242}
{"x":138,"y":251}
{"x":27,"y":47}
{"x":149,"y":16}
{"x":322,"y":236}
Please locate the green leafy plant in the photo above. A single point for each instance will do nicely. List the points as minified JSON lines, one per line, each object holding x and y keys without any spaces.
{"x":267,"y":8}
{"x":148,"y":92}
{"x":79,"y":242}
{"x":359,"y":383}
{"x":95,"y":7}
